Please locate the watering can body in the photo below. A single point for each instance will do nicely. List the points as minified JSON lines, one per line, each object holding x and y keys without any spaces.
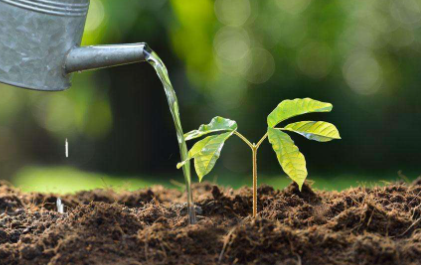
{"x":40,"y":44}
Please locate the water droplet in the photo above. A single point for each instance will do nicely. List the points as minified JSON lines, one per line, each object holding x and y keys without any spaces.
{"x":67,"y":148}
{"x":60,"y":205}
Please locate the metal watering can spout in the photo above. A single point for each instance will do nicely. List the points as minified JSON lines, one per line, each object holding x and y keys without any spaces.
{"x":40,"y":44}
{"x":95,"y":57}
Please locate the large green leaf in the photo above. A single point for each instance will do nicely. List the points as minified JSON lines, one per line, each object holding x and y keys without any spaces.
{"x":291,"y":108}
{"x":315,"y":130}
{"x":206,"y":152}
{"x":216,"y":124}
{"x":289,"y":156}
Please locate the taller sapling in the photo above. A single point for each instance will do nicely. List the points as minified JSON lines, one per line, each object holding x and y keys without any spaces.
{"x":207,"y":151}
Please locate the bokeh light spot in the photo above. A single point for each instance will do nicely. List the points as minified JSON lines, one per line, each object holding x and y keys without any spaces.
{"x":56,"y":114}
{"x":231,"y":47}
{"x":231,"y":44}
{"x":262,"y":66}
{"x":407,"y":12}
{"x":96,"y":15}
{"x":362,"y":73}
{"x":232,"y":12}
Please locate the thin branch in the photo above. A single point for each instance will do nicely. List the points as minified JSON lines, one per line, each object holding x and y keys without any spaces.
{"x":244,"y":139}
{"x":261,"y":140}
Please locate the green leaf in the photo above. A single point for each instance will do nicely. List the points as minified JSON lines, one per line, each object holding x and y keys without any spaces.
{"x":289,"y":156}
{"x":195,"y":150}
{"x":315,"y":130}
{"x":206,"y":159}
{"x":291,"y":108}
{"x":216,"y":124}
{"x":206,"y":152}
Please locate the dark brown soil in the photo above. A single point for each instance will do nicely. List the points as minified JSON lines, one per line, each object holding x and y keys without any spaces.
{"x":357,"y":226}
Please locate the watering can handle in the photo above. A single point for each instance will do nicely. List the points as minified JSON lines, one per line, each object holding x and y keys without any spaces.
{"x":95,"y":57}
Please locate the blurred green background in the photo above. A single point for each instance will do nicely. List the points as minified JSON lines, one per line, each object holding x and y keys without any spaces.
{"x":237,"y":59}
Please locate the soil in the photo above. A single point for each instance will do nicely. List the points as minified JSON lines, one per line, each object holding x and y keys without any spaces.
{"x":379,"y":225}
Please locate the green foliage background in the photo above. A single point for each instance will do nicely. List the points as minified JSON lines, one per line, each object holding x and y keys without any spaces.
{"x":237,"y":59}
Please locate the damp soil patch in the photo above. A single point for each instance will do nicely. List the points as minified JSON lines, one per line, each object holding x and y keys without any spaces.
{"x":380,"y":225}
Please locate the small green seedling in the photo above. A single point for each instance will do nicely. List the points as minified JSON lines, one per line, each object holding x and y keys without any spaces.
{"x":207,"y":151}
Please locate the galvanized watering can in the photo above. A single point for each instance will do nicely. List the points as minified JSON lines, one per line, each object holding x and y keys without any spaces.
{"x":40,"y":44}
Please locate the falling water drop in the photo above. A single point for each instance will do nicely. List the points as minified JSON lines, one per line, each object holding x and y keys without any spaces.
{"x":67,"y":148}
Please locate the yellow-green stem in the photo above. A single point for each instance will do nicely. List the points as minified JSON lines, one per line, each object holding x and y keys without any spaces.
{"x":254,"y":181}
{"x":253,"y":148}
{"x":244,"y":139}
{"x":261,"y":140}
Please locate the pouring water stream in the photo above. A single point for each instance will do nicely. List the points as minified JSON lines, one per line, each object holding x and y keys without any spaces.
{"x":153,"y":59}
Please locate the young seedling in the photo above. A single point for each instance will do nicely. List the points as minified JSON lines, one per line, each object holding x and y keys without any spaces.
{"x":207,"y":151}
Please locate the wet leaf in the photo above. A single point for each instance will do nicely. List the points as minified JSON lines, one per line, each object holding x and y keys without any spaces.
{"x":315,"y":130}
{"x":206,"y":152}
{"x":289,"y":156}
{"x":291,"y":108}
{"x":217,"y":124}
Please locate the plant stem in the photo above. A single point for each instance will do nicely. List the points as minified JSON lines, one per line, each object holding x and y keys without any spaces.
{"x":254,"y":149}
{"x":261,"y":140}
{"x":187,"y":179}
{"x":244,"y":139}
{"x":190,"y":205}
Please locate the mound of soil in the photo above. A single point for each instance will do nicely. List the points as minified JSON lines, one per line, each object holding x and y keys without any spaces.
{"x":380,"y":225}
